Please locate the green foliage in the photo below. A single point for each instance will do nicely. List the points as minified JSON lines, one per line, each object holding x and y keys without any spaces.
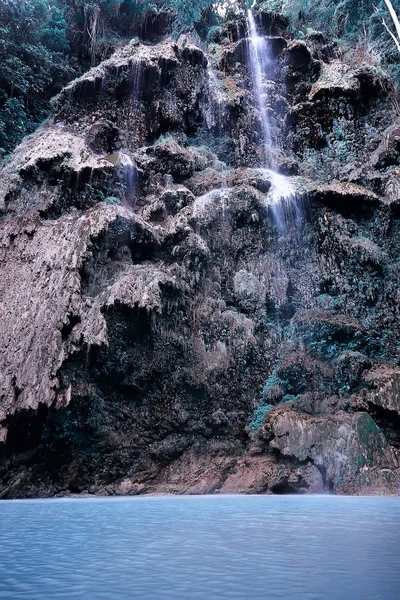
{"x":272,"y":382}
{"x":164,"y":139}
{"x":271,"y":392}
{"x":357,"y":24}
{"x":95,"y":25}
{"x":112,"y":200}
{"x":188,"y":13}
{"x":33,"y":65}
{"x":213,"y":33}
{"x":13,"y":123}
{"x":258,"y":416}
{"x":273,"y":5}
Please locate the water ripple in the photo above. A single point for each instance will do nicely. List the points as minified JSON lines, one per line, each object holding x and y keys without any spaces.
{"x":180,"y":548}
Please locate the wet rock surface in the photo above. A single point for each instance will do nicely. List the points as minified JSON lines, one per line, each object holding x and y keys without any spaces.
{"x":167,"y":328}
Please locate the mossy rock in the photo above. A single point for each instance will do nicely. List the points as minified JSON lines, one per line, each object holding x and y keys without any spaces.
{"x":343,"y":445}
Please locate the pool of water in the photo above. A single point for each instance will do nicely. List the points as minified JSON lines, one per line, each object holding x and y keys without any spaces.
{"x":290,"y":547}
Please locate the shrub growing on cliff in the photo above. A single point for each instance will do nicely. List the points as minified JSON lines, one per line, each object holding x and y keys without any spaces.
{"x":33,"y":62}
{"x":94,"y":26}
{"x":363,"y":27}
{"x":258,"y":416}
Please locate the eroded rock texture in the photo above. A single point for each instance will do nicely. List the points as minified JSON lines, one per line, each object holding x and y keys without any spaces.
{"x":164,"y":328}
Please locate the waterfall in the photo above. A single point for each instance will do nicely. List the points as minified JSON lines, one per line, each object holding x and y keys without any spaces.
{"x":260,"y":60}
{"x":283,"y":201}
{"x":128,"y":180}
{"x":282,"y":195}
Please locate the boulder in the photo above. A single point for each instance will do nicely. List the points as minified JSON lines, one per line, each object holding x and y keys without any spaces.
{"x":349,"y":449}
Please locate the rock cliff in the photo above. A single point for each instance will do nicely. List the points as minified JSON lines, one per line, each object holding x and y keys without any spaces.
{"x":167,"y":326}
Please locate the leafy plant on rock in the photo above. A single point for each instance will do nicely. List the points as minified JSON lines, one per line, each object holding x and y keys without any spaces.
{"x":33,"y":49}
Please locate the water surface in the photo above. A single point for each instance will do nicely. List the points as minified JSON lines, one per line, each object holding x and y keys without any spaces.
{"x":209,"y":547}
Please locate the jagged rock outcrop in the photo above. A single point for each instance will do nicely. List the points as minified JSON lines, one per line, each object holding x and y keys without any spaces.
{"x":167,"y":327}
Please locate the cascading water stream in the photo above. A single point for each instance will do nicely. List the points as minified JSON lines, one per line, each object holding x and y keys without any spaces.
{"x":283,"y":201}
{"x":260,"y":60}
{"x":282,"y":193}
{"x":128,"y":180}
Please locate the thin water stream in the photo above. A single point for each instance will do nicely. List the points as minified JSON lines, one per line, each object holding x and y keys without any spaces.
{"x":128,"y":181}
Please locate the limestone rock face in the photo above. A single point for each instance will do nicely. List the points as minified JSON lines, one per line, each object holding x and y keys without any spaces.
{"x":46,"y":259}
{"x":386,"y":391}
{"x":349,"y":449}
{"x":167,"y":324}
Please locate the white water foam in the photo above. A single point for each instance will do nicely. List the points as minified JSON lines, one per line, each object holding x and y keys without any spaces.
{"x":282,"y":195}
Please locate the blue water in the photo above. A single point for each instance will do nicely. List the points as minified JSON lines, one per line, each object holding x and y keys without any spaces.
{"x":291,"y":547}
